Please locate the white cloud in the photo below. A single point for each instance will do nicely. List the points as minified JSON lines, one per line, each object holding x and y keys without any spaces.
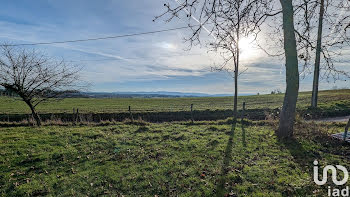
{"x":142,"y":58}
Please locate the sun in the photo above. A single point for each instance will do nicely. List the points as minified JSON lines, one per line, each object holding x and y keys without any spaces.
{"x":248,"y":48}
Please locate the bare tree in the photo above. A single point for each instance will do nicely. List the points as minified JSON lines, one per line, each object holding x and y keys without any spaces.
{"x":336,"y":12}
{"x":301,"y":26}
{"x":227,"y":21}
{"x":296,"y":25}
{"x":321,"y":28}
{"x":287,"y":116}
{"x":282,"y":33}
{"x":35,"y":77}
{"x":318,"y":56}
{"x":261,"y":10}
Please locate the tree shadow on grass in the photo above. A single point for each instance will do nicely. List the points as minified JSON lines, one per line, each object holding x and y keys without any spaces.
{"x":300,"y":155}
{"x":244,"y":143}
{"x":318,"y":146}
{"x":304,"y":160}
{"x":319,"y":135}
{"x":220,"y":188}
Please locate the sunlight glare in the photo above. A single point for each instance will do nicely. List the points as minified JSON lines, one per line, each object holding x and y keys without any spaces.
{"x":248,"y":49}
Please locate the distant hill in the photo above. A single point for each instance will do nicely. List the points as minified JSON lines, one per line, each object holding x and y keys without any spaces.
{"x":159,"y":94}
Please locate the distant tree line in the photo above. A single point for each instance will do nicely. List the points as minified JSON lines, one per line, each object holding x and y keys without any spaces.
{"x":6,"y":92}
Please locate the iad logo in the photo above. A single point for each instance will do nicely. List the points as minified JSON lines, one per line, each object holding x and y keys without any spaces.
{"x":334,"y":191}
{"x":334,"y":174}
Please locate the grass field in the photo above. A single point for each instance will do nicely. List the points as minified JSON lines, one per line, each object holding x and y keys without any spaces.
{"x":177,"y":159}
{"x":328,"y":100}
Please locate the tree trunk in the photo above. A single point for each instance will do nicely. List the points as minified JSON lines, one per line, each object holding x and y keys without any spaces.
{"x":235,"y":97}
{"x":235,"y":100}
{"x":34,"y":114}
{"x":318,"y":57}
{"x":287,"y":116}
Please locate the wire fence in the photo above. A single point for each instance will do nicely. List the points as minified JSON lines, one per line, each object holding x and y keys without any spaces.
{"x":159,"y":108}
{"x":175,"y":113}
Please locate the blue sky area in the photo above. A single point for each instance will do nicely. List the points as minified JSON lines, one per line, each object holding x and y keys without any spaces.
{"x":157,"y":62}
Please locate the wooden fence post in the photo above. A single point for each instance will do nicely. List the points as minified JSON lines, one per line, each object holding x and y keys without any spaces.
{"x":77,"y":116}
{"x":346,"y":129}
{"x":131,"y":117}
{"x":243,"y":112}
{"x":192,"y":120}
{"x":73,"y":115}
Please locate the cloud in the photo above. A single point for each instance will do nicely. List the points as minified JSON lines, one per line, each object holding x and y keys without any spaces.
{"x":152,"y":62}
{"x":167,"y":46}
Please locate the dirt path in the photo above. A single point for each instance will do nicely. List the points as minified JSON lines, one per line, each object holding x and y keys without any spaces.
{"x":334,"y":119}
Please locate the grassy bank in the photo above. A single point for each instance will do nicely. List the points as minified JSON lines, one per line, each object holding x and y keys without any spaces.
{"x":165,"y":160}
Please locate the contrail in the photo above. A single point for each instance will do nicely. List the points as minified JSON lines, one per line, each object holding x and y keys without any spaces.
{"x":194,"y":18}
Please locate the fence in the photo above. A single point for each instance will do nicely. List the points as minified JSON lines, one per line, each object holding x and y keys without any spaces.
{"x":7,"y":94}
{"x":192,"y":114}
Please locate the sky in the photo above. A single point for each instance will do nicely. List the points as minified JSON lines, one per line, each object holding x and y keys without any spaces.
{"x":156,"y":62}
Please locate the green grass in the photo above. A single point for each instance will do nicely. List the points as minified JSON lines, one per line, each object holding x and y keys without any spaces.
{"x":168,"y":159}
{"x":328,"y":100}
